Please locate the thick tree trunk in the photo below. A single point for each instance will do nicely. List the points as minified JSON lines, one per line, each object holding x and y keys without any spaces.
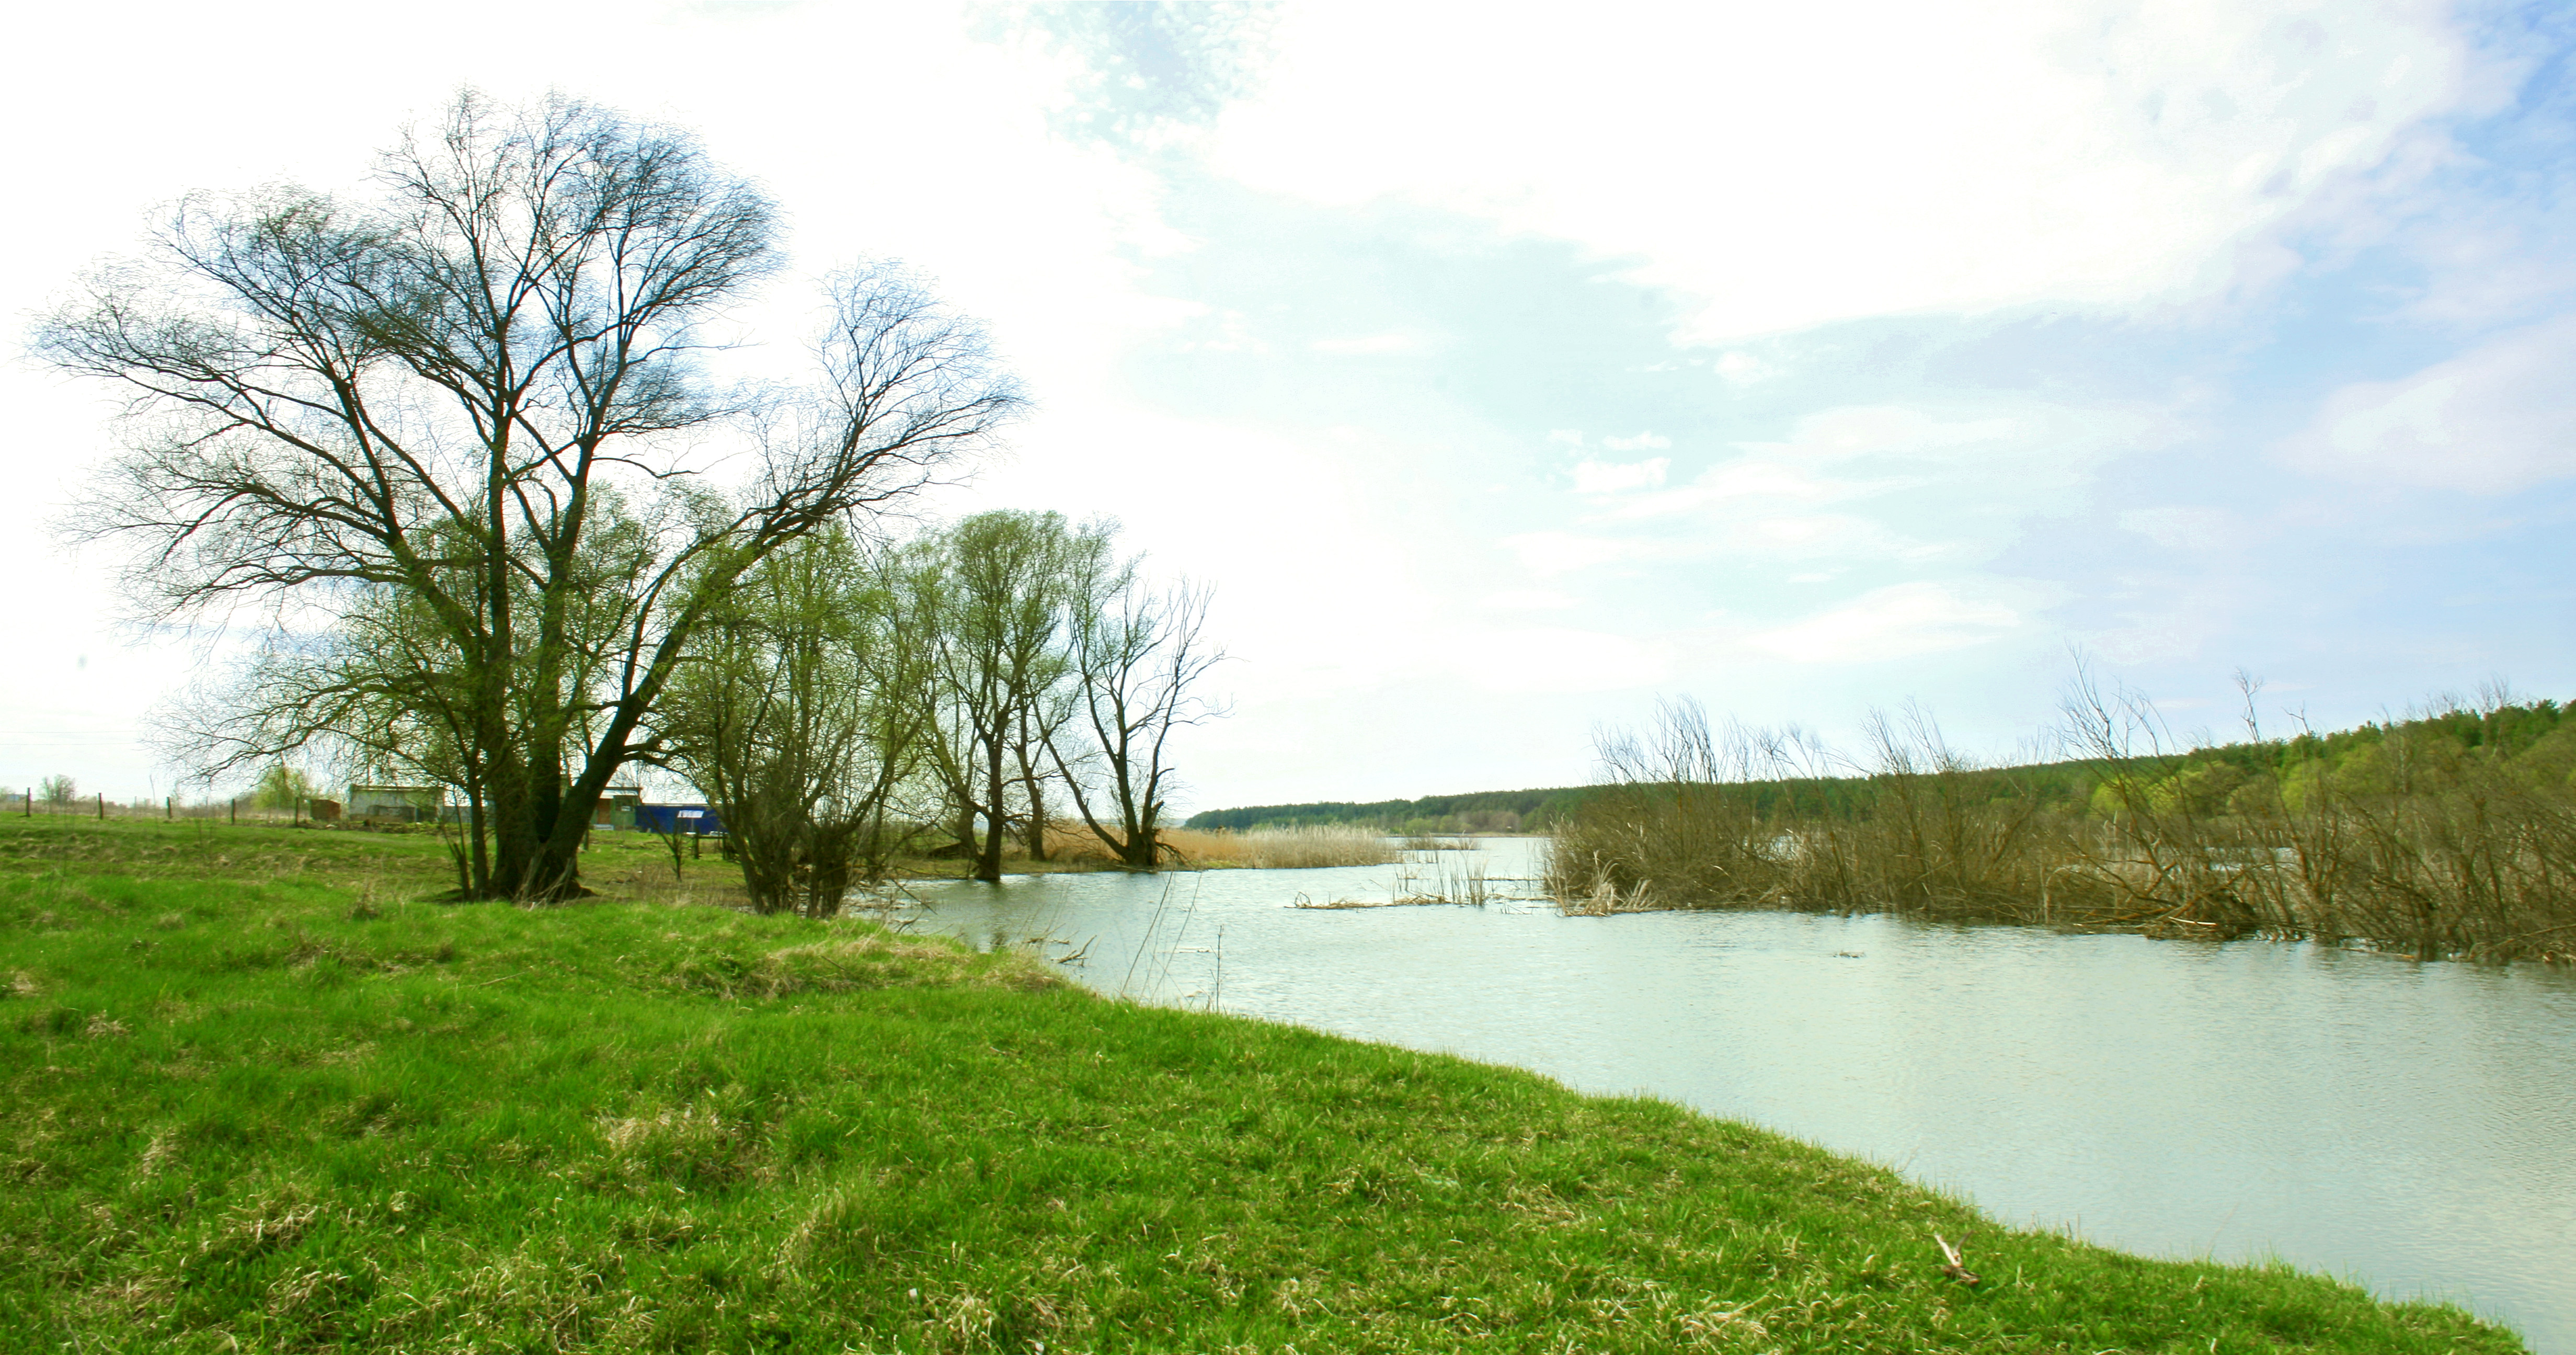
{"x":988,"y":855}
{"x":1036,"y":836}
{"x":536,"y":855}
{"x":988,"y":861}
{"x":1033,"y":779}
{"x":480,"y":877}
{"x":514,"y":839}
{"x":555,"y":876}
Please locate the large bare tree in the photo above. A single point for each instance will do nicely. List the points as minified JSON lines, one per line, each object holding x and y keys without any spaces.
{"x":477,"y":401}
{"x":798,"y":716}
{"x":995,"y":584}
{"x":1137,"y":657}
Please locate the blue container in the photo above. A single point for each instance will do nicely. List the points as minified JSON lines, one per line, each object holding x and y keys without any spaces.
{"x":694,"y":819}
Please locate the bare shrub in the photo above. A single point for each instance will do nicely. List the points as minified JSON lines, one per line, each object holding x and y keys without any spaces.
{"x":2421,"y":836}
{"x":1751,"y":818}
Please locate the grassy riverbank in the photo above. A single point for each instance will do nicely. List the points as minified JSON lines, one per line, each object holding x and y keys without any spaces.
{"x":255,"y":1096}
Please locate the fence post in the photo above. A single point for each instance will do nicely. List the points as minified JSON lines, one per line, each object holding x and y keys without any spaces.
{"x":102,"y":806}
{"x":169,"y":806}
{"x":232,"y":809}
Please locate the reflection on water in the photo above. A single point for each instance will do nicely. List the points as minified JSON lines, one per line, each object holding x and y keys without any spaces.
{"x":2407,"y":1126}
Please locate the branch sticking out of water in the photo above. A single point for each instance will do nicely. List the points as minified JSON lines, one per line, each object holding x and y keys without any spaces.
{"x":1463,"y":886}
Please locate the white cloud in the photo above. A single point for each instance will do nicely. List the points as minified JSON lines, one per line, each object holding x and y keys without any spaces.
{"x":1738,"y":368}
{"x":1891,"y":623}
{"x":2491,"y":259}
{"x":1829,"y":536}
{"x":1547,"y":554}
{"x":1893,"y":430}
{"x":2498,"y":418}
{"x":1207,"y":330}
{"x":1875,"y":482}
{"x":1643,"y":442}
{"x":1811,"y":164}
{"x":2163,"y":638}
{"x":1559,"y":659}
{"x":2189,"y":529}
{"x":1611,"y":477}
{"x":1747,"y":480}
{"x":1392,"y":344}
{"x":1530,"y":600}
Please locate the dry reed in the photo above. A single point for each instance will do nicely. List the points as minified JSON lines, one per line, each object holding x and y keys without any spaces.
{"x":1281,"y":848}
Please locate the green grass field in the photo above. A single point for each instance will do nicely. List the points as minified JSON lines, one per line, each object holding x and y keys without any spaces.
{"x":255,"y":1095}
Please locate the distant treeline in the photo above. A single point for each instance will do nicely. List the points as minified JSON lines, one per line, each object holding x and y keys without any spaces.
{"x":1492,"y":811}
{"x":2207,"y":780}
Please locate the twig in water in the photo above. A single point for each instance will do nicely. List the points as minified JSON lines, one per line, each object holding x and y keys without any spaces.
{"x":1217,"y":988}
{"x":1187,"y":913}
{"x":1148,"y":938}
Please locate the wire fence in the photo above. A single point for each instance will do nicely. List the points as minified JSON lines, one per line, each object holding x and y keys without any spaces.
{"x":33,"y":802}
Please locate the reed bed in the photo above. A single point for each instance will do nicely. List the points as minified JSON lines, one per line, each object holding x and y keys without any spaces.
{"x":1072,"y":846}
{"x":1070,"y":841}
{"x":1282,"y":848}
{"x":2425,"y":846}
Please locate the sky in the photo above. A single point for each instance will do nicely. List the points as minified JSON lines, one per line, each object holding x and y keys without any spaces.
{"x":1508,"y":369}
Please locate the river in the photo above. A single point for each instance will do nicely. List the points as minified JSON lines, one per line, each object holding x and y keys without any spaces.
{"x":2411,"y":1127}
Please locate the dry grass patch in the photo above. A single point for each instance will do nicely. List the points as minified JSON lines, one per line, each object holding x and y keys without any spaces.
{"x":1283,"y":848}
{"x":866,"y":962}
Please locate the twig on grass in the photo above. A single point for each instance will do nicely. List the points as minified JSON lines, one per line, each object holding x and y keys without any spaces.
{"x":1956,"y":1269}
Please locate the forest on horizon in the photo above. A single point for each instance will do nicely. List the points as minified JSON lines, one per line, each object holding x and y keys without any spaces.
{"x":2207,"y":779}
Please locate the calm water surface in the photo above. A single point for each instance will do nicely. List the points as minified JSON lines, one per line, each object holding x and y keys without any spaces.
{"x":2410,"y":1127}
